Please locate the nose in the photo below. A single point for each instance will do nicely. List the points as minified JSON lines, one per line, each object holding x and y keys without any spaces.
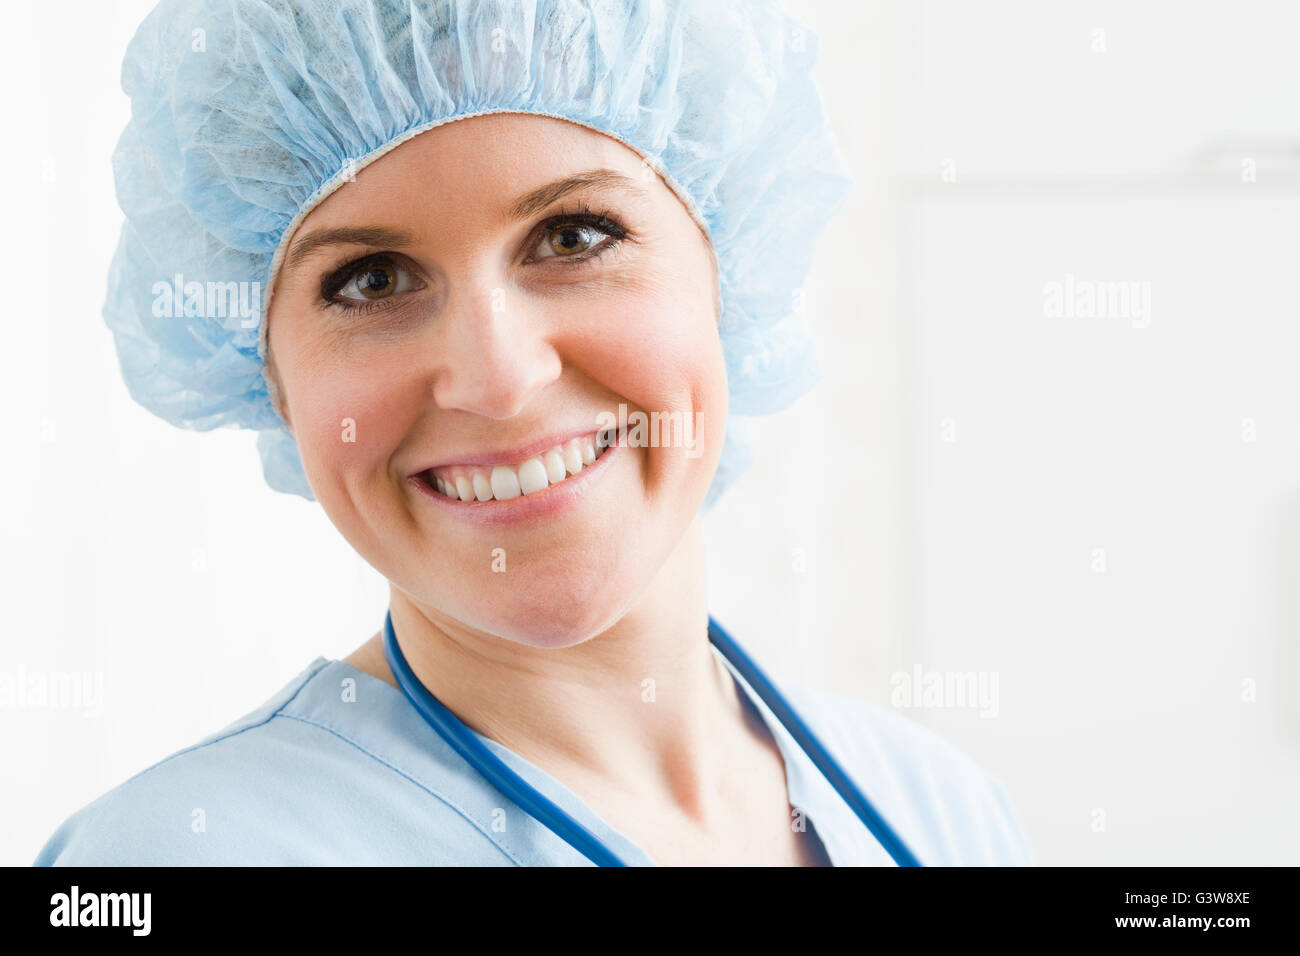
{"x":491,"y":353}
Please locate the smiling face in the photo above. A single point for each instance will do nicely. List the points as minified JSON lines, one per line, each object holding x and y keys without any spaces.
{"x":506,"y":283}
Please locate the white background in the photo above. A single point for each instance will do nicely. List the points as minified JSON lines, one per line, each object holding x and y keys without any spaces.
{"x":1125,"y":730}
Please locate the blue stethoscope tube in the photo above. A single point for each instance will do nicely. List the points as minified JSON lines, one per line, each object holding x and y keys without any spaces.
{"x":461,"y":739}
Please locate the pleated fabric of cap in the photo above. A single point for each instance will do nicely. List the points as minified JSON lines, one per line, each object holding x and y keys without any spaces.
{"x":247,"y":113}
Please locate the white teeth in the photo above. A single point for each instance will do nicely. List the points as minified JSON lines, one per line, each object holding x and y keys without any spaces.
{"x":505,"y":484}
{"x":554,"y":463}
{"x":572,"y":459}
{"x":532,"y":476}
{"x":470,"y":483}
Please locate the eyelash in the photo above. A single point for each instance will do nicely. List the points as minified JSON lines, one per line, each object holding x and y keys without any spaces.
{"x":335,"y":280}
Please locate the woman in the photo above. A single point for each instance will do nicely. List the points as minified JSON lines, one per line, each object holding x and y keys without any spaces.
{"x":497,"y":239}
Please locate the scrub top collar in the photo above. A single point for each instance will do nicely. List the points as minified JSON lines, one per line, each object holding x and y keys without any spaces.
{"x":846,"y":840}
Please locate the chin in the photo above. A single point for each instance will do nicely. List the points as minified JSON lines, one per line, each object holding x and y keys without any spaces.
{"x":545,"y":609}
{"x":543,"y":627}
{"x":548,"y":638}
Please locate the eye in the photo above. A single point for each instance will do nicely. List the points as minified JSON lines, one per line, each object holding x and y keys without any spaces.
{"x":370,"y":281}
{"x":569,"y":240}
{"x":580,"y":236}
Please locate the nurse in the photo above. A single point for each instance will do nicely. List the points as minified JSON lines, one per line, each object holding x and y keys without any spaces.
{"x":484,"y":228}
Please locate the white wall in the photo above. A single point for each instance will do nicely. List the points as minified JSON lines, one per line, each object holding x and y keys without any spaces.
{"x":995,"y":152}
{"x":984,"y":449}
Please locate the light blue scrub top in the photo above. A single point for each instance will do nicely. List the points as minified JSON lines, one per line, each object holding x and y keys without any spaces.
{"x":310,"y":778}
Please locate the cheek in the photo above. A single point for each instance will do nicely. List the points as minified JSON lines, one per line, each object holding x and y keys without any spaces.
{"x":345,"y":424}
{"x":656,"y":346}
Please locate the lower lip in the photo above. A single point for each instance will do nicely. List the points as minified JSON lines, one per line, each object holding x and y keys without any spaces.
{"x":551,"y":501}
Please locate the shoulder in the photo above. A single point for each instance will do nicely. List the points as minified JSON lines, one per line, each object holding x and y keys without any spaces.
{"x":160,"y":815}
{"x":948,"y":808}
{"x":286,"y":784}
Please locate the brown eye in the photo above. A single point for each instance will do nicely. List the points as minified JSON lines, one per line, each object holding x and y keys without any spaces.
{"x":368,"y":283}
{"x":375,"y":282}
{"x":566,"y":240}
{"x":581,"y":236}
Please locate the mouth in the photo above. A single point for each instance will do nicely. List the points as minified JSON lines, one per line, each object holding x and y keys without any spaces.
{"x":567,"y":465}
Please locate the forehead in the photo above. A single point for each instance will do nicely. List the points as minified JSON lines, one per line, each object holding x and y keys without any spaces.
{"x":481,"y":164}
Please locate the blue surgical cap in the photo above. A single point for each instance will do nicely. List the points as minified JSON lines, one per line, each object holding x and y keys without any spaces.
{"x":247,"y":113}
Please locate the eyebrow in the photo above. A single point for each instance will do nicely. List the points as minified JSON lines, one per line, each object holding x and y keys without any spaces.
{"x":308,"y":245}
{"x":521,"y":208}
{"x":537,"y":200}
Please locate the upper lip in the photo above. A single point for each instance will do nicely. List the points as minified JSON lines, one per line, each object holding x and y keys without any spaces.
{"x":510,"y":456}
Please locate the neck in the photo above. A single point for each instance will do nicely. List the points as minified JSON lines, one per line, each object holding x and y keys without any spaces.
{"x":644,"y":706}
